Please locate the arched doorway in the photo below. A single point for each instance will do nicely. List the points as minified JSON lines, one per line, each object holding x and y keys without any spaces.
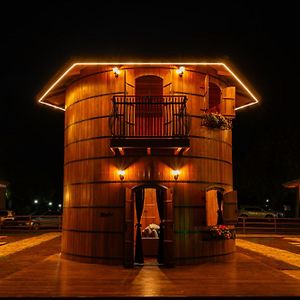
{"x":214,"y":206}
{"x":149,"y":109}
{"x":135,"y":241}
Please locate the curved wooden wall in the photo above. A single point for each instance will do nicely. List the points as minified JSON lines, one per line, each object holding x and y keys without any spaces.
{"x":93,"y":194}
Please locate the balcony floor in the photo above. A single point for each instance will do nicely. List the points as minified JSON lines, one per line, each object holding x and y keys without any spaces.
{"x":160,"y":146}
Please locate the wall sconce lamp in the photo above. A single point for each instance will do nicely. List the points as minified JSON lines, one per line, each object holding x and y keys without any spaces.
{"x":116,"y":71}
{"x":175,"y":173}
{"x":121,"y":174}
{"x":180,"y":71}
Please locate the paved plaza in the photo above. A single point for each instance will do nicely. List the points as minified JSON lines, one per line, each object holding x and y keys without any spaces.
{"x":264,"y":265}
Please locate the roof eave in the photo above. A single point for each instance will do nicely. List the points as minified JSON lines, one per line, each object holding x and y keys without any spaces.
{"x":47,"y":93}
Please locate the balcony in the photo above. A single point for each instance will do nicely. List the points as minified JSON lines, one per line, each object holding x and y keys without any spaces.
{"x":150,"y":124}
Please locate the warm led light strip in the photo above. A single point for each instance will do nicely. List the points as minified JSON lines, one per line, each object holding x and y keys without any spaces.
{"x":140,"y":64}
{"x":244,"y":86}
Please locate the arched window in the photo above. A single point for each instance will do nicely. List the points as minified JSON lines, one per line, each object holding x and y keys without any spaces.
{"x":214,"y":97}
{"x":149,"y":85}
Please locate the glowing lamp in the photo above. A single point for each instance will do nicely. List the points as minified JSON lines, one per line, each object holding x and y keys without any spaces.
{"x":180,"y":71}
{"x":36,"y":201}
{"x":116,"y":71}
{"x":121,"y":174}
{"x":175,"y":173}
{"x":50,"y":203}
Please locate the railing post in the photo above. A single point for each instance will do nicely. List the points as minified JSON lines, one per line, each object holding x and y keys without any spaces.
{"x":113,"y":121}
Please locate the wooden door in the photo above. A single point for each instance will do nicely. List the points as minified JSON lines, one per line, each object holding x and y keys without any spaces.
{"x":149,"y":109}
{"x":129,"y":229}
{"x":230,"y":210}
{"x":168,"y":223}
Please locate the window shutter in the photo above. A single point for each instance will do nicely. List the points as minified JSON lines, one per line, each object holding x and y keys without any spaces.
{"x":230,"y":210}
{"x":227,"y":105}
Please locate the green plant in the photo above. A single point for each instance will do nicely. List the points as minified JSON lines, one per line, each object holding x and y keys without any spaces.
{"x":221,"y":232}
{"x":216,"y":120}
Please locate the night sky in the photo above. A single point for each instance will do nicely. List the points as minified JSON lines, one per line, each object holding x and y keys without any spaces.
{"x":38,"y":38}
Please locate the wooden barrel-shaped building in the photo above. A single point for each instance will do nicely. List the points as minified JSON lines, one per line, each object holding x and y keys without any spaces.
{"x":148,"y":160}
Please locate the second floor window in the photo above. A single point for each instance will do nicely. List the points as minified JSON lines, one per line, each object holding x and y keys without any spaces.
{"x":214,"y":97}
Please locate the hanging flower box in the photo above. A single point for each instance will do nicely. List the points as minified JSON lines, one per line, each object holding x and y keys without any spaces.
{"x":216,"y":120}
{"x":221,"y":232}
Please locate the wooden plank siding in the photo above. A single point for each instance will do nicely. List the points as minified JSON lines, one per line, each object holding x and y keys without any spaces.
{"x":94,"y":195}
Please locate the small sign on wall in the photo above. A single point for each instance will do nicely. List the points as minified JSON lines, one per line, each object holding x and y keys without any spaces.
{"x":106,"y":214}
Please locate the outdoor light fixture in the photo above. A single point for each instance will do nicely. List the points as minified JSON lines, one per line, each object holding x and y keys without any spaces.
{"x":59,"y":205}
{"x":175,"y":173}
{"x":121,"y":174}
{"x":50,"y":203}
{"x":180,"y":71}
{"x":116,"y":71}
{"x":36,"y":201}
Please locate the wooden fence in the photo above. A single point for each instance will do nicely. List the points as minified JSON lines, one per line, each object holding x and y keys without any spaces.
{"x":244,"y":225}
{"x":268,"y":225}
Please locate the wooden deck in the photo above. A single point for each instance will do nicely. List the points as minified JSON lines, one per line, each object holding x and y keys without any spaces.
{"x":237,"y":275}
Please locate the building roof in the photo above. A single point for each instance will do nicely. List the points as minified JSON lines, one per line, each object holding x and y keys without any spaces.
{"x":3,"y":184}
{"x":53,"y":93}
{"x":292,"y":184}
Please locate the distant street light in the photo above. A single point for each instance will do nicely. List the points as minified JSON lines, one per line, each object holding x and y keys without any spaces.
{"x":50,"y":203}
{"x":267,"y":200}
{"x":59,"y":205}
{"x":36,"y":201}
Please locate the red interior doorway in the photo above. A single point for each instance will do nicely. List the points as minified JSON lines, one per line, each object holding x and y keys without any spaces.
{"x":149,"y":109}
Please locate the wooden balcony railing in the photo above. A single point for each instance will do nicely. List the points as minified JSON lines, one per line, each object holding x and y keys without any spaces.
{"x":149,"y":117}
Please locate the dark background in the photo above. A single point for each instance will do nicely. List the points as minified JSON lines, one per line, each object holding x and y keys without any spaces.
{"x":38,"y":38}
